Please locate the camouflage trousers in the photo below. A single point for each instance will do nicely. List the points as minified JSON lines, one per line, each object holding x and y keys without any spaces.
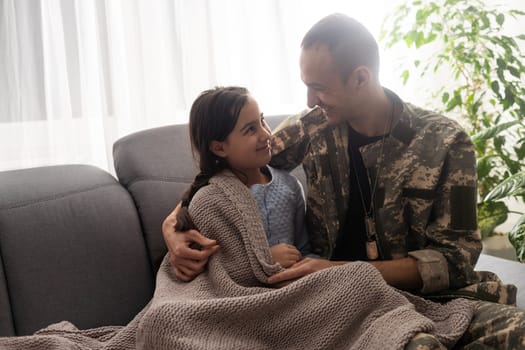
{"x":494,"y":326}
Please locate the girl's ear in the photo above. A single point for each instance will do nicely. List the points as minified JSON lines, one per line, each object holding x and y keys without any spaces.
{"x":217,"y":148}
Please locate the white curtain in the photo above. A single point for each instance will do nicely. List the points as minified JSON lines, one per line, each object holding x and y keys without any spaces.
{"x":75,"y":75}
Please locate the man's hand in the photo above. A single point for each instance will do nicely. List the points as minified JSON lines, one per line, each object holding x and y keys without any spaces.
{"x":187,"y":262}
{"x":285,"y":254}
{"x":300,"y":269}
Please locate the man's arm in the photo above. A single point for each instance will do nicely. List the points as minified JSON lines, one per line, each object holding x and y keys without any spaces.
{"x":453,"y":241}
{"x":291,"y":138}
{"x":187,"y":262}
{"x":400,"y":273}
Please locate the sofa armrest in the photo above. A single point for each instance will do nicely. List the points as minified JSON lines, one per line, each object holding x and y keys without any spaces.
{"x":71,"y":249}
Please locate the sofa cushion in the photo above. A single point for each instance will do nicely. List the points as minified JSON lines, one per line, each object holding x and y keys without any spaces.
{"x":6,"y":321}
{"x":71,"y":248}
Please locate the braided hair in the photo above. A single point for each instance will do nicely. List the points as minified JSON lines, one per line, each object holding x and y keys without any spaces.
{"x":213,"y":116}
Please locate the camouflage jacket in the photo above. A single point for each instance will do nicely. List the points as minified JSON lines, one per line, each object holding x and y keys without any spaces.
{"x":425,"y":202}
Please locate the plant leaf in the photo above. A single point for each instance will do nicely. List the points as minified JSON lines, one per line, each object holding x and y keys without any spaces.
{"x":514,"y":71}
{"x":491,"y":215}
{"x":445,"y":97}
{"x":508,"y":187}
{"x":405,"y":76}
{"x":439,"y":27}
{"x":430,"y":38}
{"x":501,"y":63}
{"x":410,"y":38}
{"x":517,"y":12}
{"x":484,"y":166}
{"x":509,"y":97}
{"x":517,"y":238}
{"x":485,"y":21}
{"x":493,"y":131}
{"x":520,"y":150}
{"x":494,"y":85}
{"x":500,"y":18}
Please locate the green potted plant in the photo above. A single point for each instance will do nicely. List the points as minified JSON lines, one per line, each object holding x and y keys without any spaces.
{"x":462,"y":44}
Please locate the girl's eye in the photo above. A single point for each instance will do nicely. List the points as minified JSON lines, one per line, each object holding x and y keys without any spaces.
{"x":250,"y":129}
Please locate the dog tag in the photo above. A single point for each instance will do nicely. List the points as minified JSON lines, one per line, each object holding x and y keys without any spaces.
{"x":371,"y":244}
{"x":371,"y":250}
{"x":370,"y":228}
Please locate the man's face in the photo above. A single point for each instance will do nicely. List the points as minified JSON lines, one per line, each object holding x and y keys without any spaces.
{"x":325,"y":85}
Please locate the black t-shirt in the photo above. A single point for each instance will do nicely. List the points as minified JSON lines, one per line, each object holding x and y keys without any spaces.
{"x":351,"y":240}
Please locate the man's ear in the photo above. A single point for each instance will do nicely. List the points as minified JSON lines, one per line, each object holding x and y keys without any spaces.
{"x":362,"y":76}
{"x":217,"y":148}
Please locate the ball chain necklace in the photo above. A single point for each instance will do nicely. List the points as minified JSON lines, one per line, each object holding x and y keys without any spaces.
{"x":372,"y":251}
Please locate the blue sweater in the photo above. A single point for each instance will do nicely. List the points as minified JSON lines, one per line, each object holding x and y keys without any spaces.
{"x":282,"y":208}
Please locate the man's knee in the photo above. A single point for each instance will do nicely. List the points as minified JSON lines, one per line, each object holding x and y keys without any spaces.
{"x":424,"y":341}
{"x":495,"y":325}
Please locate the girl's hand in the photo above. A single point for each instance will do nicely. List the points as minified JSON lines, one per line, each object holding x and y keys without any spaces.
{"x":285,"y":254}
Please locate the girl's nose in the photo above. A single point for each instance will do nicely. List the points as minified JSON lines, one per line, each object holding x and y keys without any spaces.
{"x":266,"y":135}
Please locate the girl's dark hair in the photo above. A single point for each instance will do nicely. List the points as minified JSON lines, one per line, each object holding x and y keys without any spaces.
{"x":213,"y":116}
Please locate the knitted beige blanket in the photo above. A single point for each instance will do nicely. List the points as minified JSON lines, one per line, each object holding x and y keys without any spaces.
{"x":230,"y":306}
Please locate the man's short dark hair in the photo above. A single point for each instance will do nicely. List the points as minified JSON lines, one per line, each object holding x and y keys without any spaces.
{"x":349,"y":42}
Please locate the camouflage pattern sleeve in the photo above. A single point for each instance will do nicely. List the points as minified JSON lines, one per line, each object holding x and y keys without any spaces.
{"x":453,"y":241}
{"x":291,"y":138}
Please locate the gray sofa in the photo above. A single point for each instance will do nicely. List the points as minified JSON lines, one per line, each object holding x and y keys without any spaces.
{"x":78,"y":245}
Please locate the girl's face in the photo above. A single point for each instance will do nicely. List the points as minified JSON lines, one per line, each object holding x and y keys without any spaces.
{"x":247,"y":147}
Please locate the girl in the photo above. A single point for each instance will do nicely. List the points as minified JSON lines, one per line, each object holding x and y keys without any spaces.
{"x":228,"y":132}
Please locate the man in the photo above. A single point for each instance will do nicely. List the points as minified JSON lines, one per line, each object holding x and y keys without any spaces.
{"x":388,"y":183}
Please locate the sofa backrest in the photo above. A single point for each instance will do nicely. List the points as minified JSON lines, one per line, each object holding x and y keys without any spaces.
{"x":156,"y":166}
{"x":71,"y":248}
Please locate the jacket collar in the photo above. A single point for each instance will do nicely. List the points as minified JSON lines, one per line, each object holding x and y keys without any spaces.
{"x":402,"y":130}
